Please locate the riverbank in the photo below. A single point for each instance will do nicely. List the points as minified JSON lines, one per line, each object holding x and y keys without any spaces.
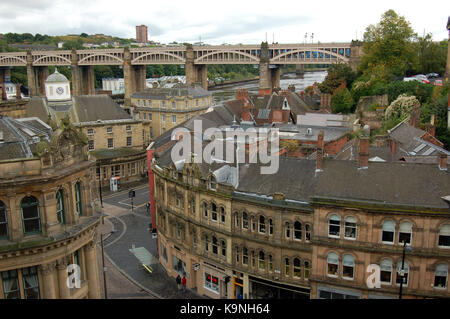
{"x":232,"y":83}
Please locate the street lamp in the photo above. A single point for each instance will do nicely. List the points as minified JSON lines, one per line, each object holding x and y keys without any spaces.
{"x":402,"y":271}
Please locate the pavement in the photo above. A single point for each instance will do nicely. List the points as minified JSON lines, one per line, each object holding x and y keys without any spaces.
{"x":123,"y":229}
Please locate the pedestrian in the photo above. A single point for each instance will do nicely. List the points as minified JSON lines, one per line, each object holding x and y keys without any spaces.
{"x":178,"y":282}
{"x":183,"y":282}
{"x":148,"y":206}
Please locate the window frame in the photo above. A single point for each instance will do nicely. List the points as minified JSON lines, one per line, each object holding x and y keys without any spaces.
{"x":5,"y":222}
{"x":38,"y":217}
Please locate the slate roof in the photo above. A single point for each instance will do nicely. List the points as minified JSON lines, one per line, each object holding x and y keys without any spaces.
{"x":168,"y":93}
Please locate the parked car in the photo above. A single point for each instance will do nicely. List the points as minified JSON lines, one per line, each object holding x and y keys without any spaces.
{"x":438,"y":82}
{"x":411,"y":78}
{"x":432,"y":75}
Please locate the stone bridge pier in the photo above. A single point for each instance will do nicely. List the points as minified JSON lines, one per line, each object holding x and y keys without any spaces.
{"x":134,"y":77}
{"x":36,"y":76}
{"x":195,"y":73}
{"x":269,"y":75}
{"x":4,"y":72}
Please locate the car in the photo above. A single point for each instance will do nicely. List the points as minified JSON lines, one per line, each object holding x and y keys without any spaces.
{"x":411,"y":78}
{"x":438,"y":82}
{"x":432,"y":75}
{"x":420,"y":76}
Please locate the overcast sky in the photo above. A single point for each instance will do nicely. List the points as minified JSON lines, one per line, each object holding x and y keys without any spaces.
{"x":217,"y":22}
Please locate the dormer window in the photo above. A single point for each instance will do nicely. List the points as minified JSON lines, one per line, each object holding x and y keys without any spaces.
{"x":212,"y":183}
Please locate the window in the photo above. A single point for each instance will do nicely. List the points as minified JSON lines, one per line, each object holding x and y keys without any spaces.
{"x":405,"y":273}
{"x":388,"y":232}
{"x":350,"y":228}
{"x":129,"y":141}
{"x":334,"y":226}
{"x":245,"y":256}
{"x":244,"y":220}
{"x":187,"y":104}
{"x":224,"y":248}
{"x":10,"y":281}
{"x":288,"y":230}
{"x":307,"y":269}
{"x":262,"y":224}
{"x":211,"y":282}
{"x":91,"y":145}
{"x":253,"y":258}
{"x":163,"y":104}
{"x":173,"y":105}
{"x":214,"y":245}
{"x":163,"y":118}
{"x":30,"y":215}
{"x":287,"y":269}
{"x":270,"y":226}
{"x":151,"y":132}
{"x":149,"y":116}
{"x":236,"y":220}
{"x":213,"y":212}
{"x":253,"y":223}
{"x":270,"y":263}
{"x":440,"y":276}
{"x":60,"y":212}
{"x":298,"y":230}
{"x":348,"y":266}
{"x":196,"y":102}
{"x":187,"y":116}
{"x":386,"y":271}
{"x":174,"y":119}
{"x":145,"y":116}
{"x":332,"y":265}
{"x":78,"y":202}
{"x":297,"y":268}
{"x":144,"y":103}
{"x":3,"y":221}
{"x":110,"y":143}
{"x":150,"y":103}
{"x":444,"y":236}
{"x":237,"y":254}
{"x":30,"y":283}
{"x":307,"y":232}
{"x":222,"y":215}
{"x":178,"y":231}
{"x":90,"y":131}
{"x":115,"y":170}
{"x":139,"y":103}
{"x":128,"y":128}
{"x":109,"y":130}
{"x":205,"y":210}
{"x":261,"y":260}
{"x":404,"y":233}
{"x":212,"y":183}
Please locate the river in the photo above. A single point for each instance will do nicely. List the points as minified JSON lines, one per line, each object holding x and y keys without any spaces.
{"x":300,"y":83}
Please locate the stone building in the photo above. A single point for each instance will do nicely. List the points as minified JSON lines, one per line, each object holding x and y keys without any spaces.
{"x":308,"y":231}
{"x":164,"y":108}
{"x":114,"y":136}
{"x":49,"y":212}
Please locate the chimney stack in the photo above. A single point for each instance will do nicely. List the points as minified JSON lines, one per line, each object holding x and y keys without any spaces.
{"x":442,"y":161}
{"x":319,"y":156}
{"x":393,"y":147}
{"x":414,"y":117}
{"x":363,"y":154}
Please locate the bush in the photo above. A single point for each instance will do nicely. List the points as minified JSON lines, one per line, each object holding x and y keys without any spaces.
{"x":401,"y":107}
{"x":341,"y":101}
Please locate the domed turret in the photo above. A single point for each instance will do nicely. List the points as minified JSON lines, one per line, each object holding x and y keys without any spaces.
{"x":57,"y":87}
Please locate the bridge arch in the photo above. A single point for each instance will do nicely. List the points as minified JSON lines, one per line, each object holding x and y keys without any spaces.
{"x":141,"y":58}
{"x":11,"y":57}
{"x":106,"y":55}
{"x":304,"y":50}
{"x":252,"y":57}
{"x":59,"y":57}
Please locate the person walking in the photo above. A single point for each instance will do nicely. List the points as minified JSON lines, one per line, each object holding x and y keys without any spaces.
{"x":178,"y":282}
{"x":148,"y":207}
{"x":183,"y":282}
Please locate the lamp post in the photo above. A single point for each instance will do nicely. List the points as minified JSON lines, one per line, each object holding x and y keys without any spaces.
{"x":402,"y":271}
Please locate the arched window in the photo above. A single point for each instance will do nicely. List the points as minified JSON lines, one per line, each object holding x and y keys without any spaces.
{"x":262,"y":260}
{"x":405,"y":233}
{"x":245,"y":256}
{"x":440,"y":276}
{"x":350,"y":228}
{"x":444,"y":236}
{"x":307,"y":232}
{"x":348,"y":266}
{"x":298,"y":230}
{"x":386,"y":271}
{"x":334,"y":226}
{"x":405,"y":273}
{"x":78,"y":199}
{"x":236,"y":219}
{"x":31,"y":219}
{"x":60,"y":210}
{"x":206,"y":243}
{"x":288,"y":230}
{"x":222,"y":215}
{"x":213,"y":212}
{"x":388,"y":232}
{"x":244,"y":220}
{"x":3,"y":221}
{"x":297,"y":268}
{"x":214,"y":245}
{"x":307,"y":269}
{"x":270,"y":226}
{"x":287,"y":266}
{"x":332,"y":264}
{"x":262,"y":224}
{"x":205,"y":209}
{"x":253,"y":223}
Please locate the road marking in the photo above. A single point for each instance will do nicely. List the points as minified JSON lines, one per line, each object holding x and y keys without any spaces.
{"x":125,"y":191}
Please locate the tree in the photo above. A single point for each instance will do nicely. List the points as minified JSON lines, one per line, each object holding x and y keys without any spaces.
{"x":401,"y":107}
{"x":73,"y":44}
{"x":432,"y":56}
{"x":388,"y":47}
{"x":341,"y":101}
{"x":337,"y":74}
{"x":84,"y":35}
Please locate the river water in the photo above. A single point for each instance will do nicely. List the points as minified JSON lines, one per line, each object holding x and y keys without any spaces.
{"x":300,"y":83}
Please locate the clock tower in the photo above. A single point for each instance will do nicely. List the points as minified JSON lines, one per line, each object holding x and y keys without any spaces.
{"x":57,"y":87}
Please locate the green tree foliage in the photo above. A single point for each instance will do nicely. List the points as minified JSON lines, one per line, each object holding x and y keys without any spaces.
{"x":337,"y":74}
{"x":73,"y":44}
{"x":432,"y":56}
{"x":401,"y":107}
{"x":437,"y":106}
{"x":388,"y":47}
{"x":341,"y":101}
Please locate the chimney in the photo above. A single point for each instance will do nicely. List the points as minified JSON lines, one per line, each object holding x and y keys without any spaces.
{"x":414,"y":117}
{"x":363,"y":154}
{"x":4,"y":96}
{"x":443,"y":161}
{"x":18,"y":94}
{"x":393,"y":147}
{"x":319,"y":156}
